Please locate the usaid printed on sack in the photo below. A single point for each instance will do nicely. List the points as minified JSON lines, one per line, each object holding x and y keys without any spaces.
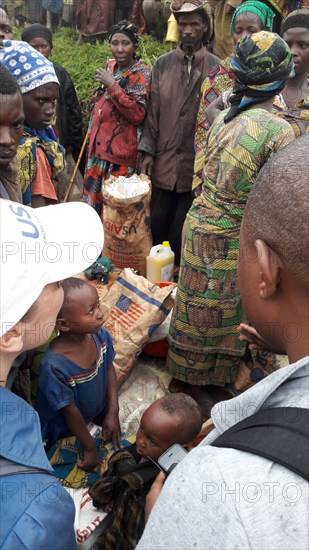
{"x":126,"y":220}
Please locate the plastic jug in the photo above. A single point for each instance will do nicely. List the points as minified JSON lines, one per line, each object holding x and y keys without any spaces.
{"x":160,"y":263}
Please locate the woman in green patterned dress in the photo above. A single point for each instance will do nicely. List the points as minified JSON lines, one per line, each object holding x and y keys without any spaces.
{"x":250,"y":17}
{"x":204,"y":346}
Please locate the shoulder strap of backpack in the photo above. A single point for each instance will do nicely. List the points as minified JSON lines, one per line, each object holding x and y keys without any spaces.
{"x":9,"y":468}
{"x":280,"y":434}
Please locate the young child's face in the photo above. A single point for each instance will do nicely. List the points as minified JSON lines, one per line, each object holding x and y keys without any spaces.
{"x":158,"y":431}
{"x":83,"y":312}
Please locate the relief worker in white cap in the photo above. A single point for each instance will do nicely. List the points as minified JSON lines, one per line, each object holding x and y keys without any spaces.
{"x":38,"y":248}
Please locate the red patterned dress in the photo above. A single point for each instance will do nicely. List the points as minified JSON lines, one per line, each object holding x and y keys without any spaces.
{"x":115,"y":128}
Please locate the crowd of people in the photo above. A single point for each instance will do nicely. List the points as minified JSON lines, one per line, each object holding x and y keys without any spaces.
{"x":223,"y":138}
{"x":93,"y":18}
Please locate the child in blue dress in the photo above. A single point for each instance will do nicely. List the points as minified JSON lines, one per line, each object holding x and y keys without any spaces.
{"x":77,"y":381}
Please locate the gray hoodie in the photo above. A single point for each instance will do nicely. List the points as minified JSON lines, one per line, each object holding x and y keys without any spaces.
{"x":227,"y":499}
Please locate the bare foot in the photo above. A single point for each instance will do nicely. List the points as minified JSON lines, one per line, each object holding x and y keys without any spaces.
{"x":204,"y":399}
{"x":176,"y":386}
{"x":205,"y":396}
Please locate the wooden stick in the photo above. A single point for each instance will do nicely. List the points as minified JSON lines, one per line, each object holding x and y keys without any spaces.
{"x":68,"y":191}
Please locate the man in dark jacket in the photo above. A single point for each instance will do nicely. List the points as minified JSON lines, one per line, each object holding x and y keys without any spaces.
{"x":167,"y":143}
{"x":69,"y":117}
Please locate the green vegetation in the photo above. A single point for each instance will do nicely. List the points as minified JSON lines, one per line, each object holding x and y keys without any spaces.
{"x":81,"y":61}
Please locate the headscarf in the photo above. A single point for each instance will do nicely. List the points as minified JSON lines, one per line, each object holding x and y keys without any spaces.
{"x":261,"y":10}
{"x":30,"y":68}
{"x":124,"y":27}
{"x":261,"y":63}
{"x":299,"y":18}
{"x":37,"y":31}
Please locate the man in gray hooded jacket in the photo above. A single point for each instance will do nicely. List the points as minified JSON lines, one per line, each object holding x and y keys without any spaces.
{"x":223,"y":498}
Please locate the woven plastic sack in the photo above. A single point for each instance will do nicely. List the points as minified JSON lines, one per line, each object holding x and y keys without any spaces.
{"x":126,"y":220}
{"x":133,"y":309}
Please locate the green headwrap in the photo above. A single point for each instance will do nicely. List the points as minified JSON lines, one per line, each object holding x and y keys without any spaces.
{"x":261,"y":10}
{"x":261,"y":64}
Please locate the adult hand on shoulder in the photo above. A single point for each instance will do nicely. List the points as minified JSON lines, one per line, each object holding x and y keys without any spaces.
{"x":154,"y":493}
{"x":250,"y":335}
{"x":145,"y":164}
{"x":111,"y":429}
{"x":90,"y":460}
{"x":104,"y":77}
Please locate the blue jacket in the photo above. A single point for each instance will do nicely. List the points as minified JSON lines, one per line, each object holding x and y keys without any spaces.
{"x":35,"y":510}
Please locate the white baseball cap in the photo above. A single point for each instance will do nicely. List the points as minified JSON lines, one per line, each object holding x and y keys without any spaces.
{"x":39,"y":246}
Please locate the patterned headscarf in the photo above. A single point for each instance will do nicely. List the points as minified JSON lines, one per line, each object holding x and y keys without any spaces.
{"x":30,"y":68}
{"x":261,"y":63}
{"x":261,"y":10}
{"x":124,"y":27}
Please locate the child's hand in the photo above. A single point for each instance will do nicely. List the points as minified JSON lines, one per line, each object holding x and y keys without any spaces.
{"x":90,"y":460}
{"x":250,"y":335}
{"x":154,"y":493}
{"x":111,"y":429}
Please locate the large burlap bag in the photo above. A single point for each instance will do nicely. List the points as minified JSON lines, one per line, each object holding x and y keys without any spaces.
{"x":133,"y":308}
{"x":126,"y":219}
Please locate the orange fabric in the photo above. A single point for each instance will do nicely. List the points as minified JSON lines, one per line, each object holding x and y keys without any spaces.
{"x":42,"y":183}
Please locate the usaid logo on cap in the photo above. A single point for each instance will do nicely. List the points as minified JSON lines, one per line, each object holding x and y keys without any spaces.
{"x":23,"y":216}
{"x":50,"y":235}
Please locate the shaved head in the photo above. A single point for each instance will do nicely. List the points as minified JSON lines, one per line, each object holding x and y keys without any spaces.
{"x":186,"y":410}
{"x":68,"y":285}
{"x":277,"y":210}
